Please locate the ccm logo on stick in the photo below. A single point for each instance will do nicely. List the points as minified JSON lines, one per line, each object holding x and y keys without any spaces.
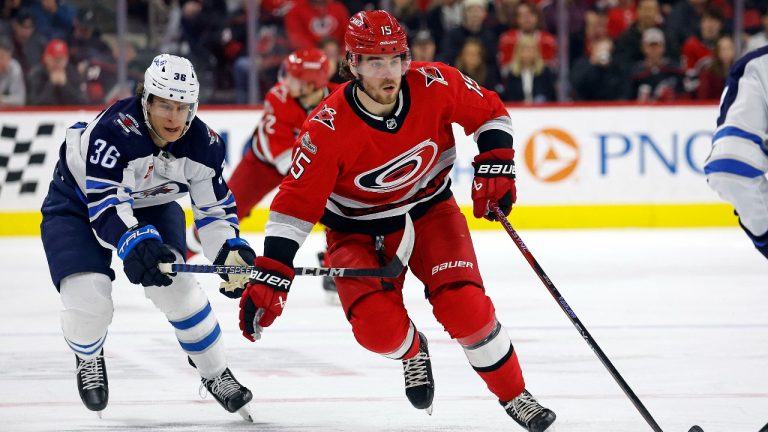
{"x":452,"y":264}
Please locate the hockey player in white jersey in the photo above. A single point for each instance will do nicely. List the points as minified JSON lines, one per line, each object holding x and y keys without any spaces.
{"x":114,"y":189}
{"x":738,"y":163}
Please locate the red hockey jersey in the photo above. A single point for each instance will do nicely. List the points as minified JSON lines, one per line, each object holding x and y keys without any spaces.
{"x":279,"y":127}
{"x":362,"y":173}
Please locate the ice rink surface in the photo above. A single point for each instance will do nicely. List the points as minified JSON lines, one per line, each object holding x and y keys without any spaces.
{"x":681,"y":313}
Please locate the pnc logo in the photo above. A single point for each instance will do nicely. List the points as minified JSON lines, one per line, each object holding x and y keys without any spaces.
{"x":551,"y":155}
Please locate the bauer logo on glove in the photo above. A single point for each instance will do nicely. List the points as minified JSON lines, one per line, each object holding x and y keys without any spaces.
{"x":271,"y":279}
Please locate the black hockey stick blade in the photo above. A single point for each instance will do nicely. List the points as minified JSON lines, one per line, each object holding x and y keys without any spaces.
{"x":392,"y":270}
{"x":764,"y":428}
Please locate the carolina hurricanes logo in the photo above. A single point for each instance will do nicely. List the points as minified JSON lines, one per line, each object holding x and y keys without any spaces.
{"x":322,"y":26}
{"x":400,"y":172}
{"x":325,"y":116}
{"x":432,"y":74}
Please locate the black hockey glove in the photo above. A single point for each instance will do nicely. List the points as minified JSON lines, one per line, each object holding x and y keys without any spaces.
{"x":235,"y":251}
{"x":141,"y":250}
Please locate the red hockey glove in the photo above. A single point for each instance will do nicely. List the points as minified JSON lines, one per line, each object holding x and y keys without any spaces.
{"x":264,"y":297}
{"x":494,"y":182}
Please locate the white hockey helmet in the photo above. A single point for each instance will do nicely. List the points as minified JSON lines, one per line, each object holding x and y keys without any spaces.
{"x":174,"y":78}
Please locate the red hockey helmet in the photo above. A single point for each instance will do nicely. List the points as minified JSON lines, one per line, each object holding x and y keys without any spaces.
{"x":375,"y":33}
{"x":310,"y":65}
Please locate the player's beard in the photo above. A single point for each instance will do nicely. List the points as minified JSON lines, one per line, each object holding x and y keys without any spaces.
{"x":379,"y":96}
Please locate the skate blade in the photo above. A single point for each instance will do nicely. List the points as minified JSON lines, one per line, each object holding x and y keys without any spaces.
{"x":245,"y":413}
{"x":98,"y":413}
{"x":428,"y":410}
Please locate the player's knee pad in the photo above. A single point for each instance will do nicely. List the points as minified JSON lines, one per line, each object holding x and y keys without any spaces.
{"x":88,"y":311}
{"x":488,"y":349}
{"x":462,"y":309}
{"x":381,"y":324}
{"x":182,"y":297}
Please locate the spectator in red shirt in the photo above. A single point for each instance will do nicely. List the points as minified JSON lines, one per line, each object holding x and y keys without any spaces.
{"x":528,"y":23}
{"x":701,"y":45}
{"x":712,"y":77}
{"x":310,"y":21}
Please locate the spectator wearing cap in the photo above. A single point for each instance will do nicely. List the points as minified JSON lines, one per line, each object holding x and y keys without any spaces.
{"x":655,"y":78}
{"x":472,"y":26}
{"x":53,"y":18}
{"x":55,"y":81}
{"x":529,"y":23}
{"x":12,"y":89}
{"x":28,"y":45}
{"x":92,"y":57}
{"x":629,"y":45}
{"x":85,"y":41}
{"x":423,"y":46}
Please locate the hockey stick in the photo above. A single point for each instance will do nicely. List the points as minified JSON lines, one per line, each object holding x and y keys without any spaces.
{"x":577,"y":322}
{"x":392,"y":270}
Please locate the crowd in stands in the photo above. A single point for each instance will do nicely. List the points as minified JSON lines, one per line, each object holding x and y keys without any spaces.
{"x":56,"y":52}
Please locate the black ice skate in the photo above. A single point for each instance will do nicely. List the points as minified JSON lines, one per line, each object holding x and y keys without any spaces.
{"x":527,"y":412}
{"x":232,"y":395}
{"x":329,"y":285}
{"x":92,"y":382}
{"x":419,"y":385}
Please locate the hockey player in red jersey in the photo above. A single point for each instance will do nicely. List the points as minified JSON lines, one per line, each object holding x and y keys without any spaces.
{"x":304,"y":82}
{"x":377,"y":148}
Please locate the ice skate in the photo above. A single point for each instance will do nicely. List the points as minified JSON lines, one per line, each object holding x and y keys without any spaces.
{"x":528,"y":413}
{"x":329,"y":285}
{"x":232,"y":395}
{"x":92,"y":382}
{"x":419,"y":385}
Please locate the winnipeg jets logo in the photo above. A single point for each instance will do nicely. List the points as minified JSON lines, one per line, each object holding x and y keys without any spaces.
{"x":432,"y":74}
{"x":325,"y":116}
{"x":127,"y":123}
{"x":400,"y":172}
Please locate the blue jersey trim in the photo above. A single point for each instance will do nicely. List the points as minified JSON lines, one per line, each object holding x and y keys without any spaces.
{"x":732,"y":166}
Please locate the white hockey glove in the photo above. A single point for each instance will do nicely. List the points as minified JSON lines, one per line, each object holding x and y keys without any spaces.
{"x":235,"y":251}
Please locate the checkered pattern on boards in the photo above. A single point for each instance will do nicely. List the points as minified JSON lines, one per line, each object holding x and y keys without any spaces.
{"x":16,"y":156}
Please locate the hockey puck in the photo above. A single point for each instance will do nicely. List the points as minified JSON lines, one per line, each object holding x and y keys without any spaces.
{"x":695,"y":428}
